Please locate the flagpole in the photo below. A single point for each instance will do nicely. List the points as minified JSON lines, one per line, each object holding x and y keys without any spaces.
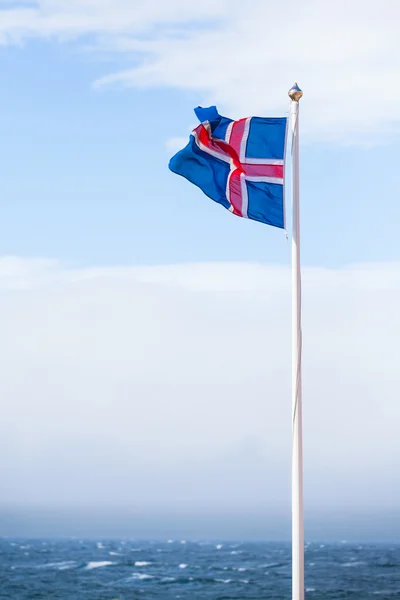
{"x":297,"y":425}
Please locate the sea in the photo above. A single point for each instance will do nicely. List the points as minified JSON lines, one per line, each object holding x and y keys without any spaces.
{"x":75,"y":569}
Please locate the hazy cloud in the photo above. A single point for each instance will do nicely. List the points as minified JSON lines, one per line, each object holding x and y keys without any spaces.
{"x":161,"y":386}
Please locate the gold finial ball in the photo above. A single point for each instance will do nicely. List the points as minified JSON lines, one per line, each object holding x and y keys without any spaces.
{"x":295,"y":93}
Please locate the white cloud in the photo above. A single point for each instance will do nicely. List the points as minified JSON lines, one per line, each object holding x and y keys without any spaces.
{"x":160,"y":386}
{"x":344,"y":53}
{"x":113,"y":17}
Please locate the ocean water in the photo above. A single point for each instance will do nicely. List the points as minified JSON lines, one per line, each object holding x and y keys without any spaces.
{"x":127,"y":570}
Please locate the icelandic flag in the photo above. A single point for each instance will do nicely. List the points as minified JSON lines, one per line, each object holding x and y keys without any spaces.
{"x":239,"y":164}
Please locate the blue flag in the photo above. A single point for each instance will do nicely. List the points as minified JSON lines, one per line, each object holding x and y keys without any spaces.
{"x":239,"y":164}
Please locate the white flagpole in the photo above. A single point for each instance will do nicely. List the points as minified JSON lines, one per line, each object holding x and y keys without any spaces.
{"x":297,"y":437}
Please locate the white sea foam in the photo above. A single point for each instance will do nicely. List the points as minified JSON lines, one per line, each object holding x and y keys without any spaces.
{"x":99,"y":545}
{"x":115,"y":553}
{"x":67,"y":567}
{"x":223,"y":580}
{"x":142,"y":576}
{"x":142,"y":563}
{"x":167,"y":579}
{"x":354,"y":563}
{"x":182,"y":566}
{"x":170,"y":542}
{"x":60,"y":566}
{"x":244,"y":581}
{"x":219,"y":547}
{"x":98,"y":564}
{"x":183,"y":541}
{"x":242,"y":569}
{"x":310,"y":589}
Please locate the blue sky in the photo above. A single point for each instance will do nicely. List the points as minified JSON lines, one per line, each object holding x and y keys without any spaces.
{"x":85,"y":179}
{"x":138,"y":316}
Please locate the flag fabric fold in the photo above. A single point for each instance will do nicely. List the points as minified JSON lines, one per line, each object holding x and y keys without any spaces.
{"x":239,"y":164}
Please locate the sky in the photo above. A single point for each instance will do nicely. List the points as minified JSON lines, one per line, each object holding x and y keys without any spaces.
{"x":146,"y":331}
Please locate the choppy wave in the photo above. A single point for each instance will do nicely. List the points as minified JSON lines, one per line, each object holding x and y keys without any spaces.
{"x":193,"y":570}
{"x":63,"y":565}
{"x":142,"y":576}
{"x":98,"y":564}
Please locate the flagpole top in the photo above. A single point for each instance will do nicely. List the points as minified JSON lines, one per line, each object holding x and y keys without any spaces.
{"x":295,"y":93}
